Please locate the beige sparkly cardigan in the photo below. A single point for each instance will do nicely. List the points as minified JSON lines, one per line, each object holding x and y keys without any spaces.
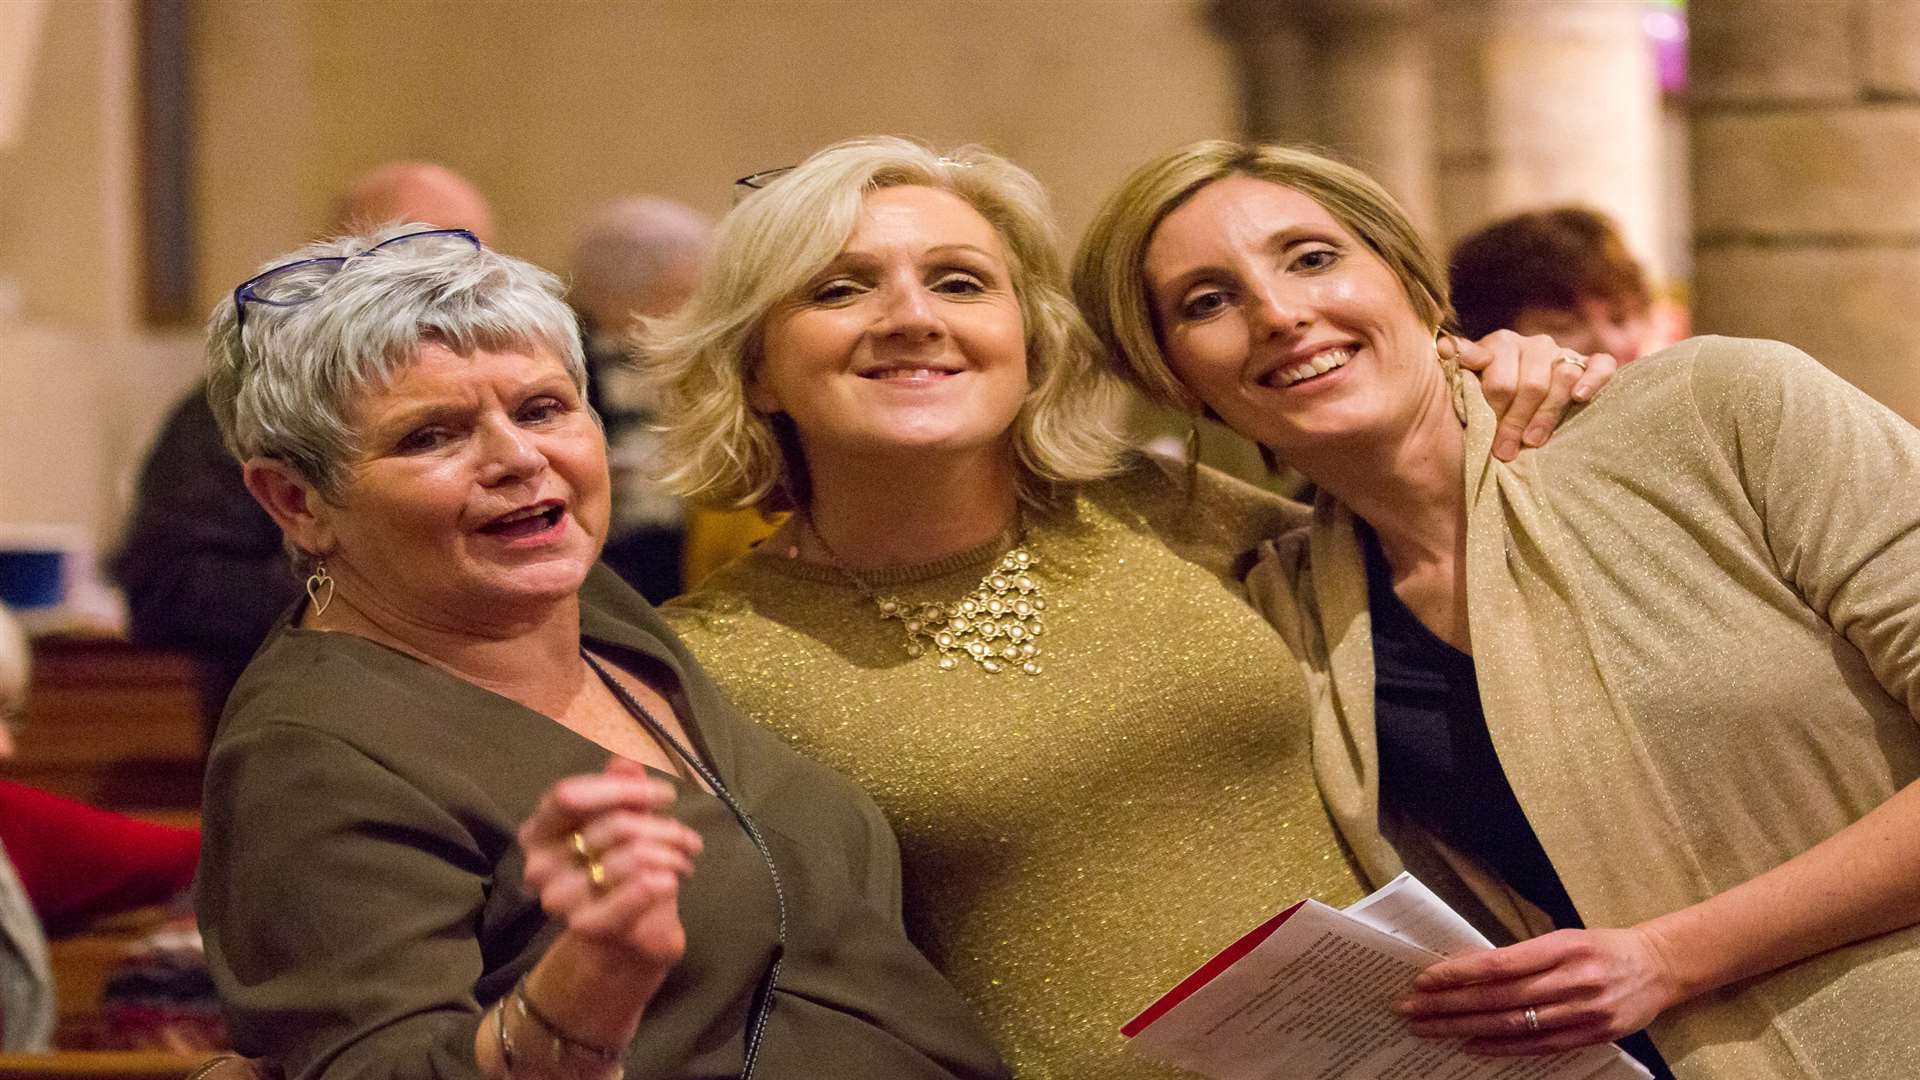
{"x":1696,"y":622}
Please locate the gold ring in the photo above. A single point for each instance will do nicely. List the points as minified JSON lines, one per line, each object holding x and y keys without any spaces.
{"x":590,"y":862}
{"x":1533,"y":1019}
{"x":581,"y":852}
{"x":1576,"y":361}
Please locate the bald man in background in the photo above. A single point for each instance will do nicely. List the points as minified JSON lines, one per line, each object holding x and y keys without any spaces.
{"x":202,"y":566}
{"x":637,"y":257}
{"x":414,"y":191}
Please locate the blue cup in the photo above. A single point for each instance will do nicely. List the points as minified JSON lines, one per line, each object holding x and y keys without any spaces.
{"x":32,"y":578}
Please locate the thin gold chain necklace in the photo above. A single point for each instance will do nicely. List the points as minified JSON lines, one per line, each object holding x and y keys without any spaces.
{"x":997,"y":625}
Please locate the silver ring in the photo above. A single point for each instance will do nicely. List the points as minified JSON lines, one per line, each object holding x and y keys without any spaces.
{"x":1533,"y":1017}
{"x":1576,"y":361}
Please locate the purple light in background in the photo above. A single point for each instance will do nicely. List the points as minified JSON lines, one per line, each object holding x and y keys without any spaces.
{"x":1666,"y":29}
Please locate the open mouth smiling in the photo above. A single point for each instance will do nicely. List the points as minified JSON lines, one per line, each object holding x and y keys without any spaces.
{"x":525,"y":522}
{"x":1294,"y":373}
{"x":907,"y":372}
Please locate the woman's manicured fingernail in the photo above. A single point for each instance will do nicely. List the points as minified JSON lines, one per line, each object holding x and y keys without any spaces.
{"x":1535,"y":435}
{"x":1582,"y":393}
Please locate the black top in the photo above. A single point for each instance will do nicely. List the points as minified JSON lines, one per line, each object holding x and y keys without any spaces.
{"x":1434,"y":745}
{"x":1434,"y":749}
{"x":203,"y":566}
{"x":360,"y":888}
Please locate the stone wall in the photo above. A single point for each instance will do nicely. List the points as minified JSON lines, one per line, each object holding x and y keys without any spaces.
{"x":552,"y":109}
{"x":1469,"y":109}
{"x":1540,"y":103}
{"x":1806,"y":138}
{"x":84,"y":386}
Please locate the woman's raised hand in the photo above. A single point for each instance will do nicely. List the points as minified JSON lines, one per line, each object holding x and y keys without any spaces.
{"x":1555,"y":992}
{"x":606,"y":860}
{"x":1530,"y":381}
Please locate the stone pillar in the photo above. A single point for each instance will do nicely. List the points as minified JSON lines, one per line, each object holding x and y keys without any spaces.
{"x":1468,"y":109}
{"x":20,"y":26}
{"x":1542,"y":103}
{"x":67,"y":245}
{"x":67,"y":215}
{"x":1352,"y":76}
{"x":1805,"y":133}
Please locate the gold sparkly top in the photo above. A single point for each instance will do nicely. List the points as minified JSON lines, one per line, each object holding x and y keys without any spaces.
{"x":1074,"y":842}
{"x":1696,"y":624}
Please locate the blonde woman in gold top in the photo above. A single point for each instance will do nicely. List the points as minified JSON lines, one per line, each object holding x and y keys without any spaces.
{"x":1030,"y":649}
{"x":1680,"y":643}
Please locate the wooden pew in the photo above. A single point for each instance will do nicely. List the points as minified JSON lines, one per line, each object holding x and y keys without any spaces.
{"x":117,"y":726}
{"x":112,"y":724}
{"x":100,"y":1065}
{"x":83,"y":961}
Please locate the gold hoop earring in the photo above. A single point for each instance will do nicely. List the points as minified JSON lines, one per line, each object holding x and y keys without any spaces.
{"x":320,"y":587}
{"x":1193,"y":453}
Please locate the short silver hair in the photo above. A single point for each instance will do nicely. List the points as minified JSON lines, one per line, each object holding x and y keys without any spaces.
{"x":283,"y":385}
{"x":720,"y":450}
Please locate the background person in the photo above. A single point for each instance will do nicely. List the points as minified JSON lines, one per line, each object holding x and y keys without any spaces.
{"x":419,"y":859}
{"x":1564,"y":272}
{"x":28,"y":1009}
{"x":1658,"y":678}
{"x":202,"y":564}
{"x":637,"y":257}
{"x":64,"y":864}
{"x":414,"y":191}
{"x":1029,"y":646}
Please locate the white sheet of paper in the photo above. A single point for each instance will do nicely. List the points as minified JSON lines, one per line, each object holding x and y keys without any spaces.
{"x":1311,"y":1002}
{"x":1407,"y":909}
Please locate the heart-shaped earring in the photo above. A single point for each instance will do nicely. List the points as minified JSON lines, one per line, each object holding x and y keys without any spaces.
{"x":320,"y":588}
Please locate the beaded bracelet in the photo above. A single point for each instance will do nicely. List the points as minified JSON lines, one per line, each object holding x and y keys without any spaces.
{"x":561,"y":1045}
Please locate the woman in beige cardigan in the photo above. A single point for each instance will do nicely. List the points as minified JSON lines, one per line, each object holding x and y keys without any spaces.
{"x":1657,"y":679}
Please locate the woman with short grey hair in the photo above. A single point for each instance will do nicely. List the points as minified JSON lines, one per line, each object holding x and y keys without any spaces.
{"x":473,"y":810}
{"x":282,"y":388}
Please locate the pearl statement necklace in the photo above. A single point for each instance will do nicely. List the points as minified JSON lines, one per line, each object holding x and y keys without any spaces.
{"x":997,"y":625}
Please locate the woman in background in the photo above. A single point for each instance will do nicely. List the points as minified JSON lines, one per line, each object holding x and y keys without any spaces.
{"x":1030,"y":647}
{"x":1564,"y":272}
{"x":64,"y":864}
{"x":27,"y":1006}
{"x":1658,"y":678}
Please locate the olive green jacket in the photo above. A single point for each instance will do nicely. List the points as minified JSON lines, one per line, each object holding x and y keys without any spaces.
{"x":360,"y":888}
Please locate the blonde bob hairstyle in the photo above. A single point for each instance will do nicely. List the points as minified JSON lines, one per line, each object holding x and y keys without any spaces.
{"x":1109,"y":271}
{"x":721,"y":451}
